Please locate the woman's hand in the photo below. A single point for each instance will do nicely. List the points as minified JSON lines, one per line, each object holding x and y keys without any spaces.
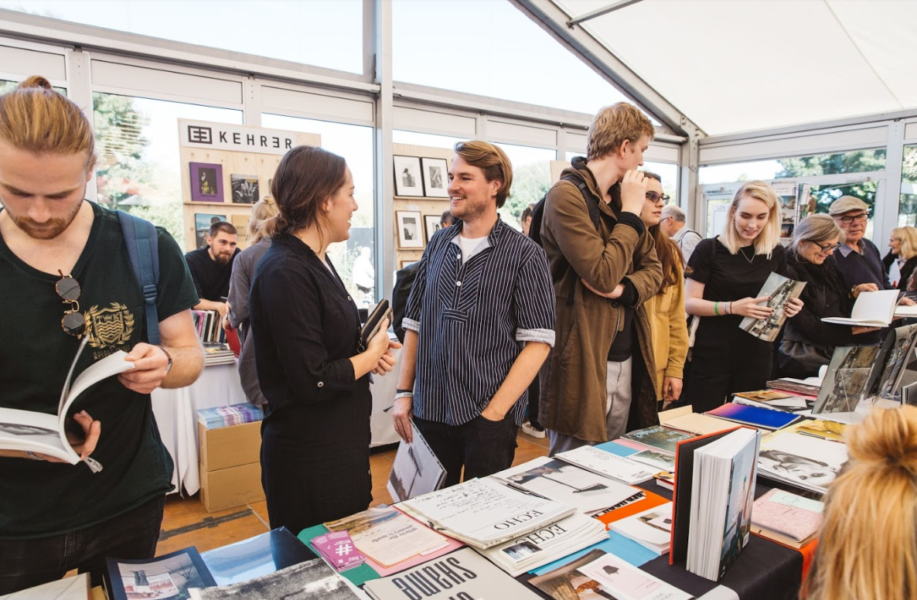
{"x":906,"y":302}
{"x":380,"y":348}
{"x":792,"y":307}
{"x":748,"y":307}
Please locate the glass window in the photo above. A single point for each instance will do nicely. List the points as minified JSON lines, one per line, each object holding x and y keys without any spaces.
{"x":353,"y":259}
{"x":824,"y":195}
{"x":858,"y":161}
{"x":531,"y":179}
{"x":503,"y":54}
{"x":324,"y":33}
{"x":138,"y":155}
{"x":744,"y":171}
{"x":425,"y":139}
{"x":907,"y":203}
{"x":9,"y":86}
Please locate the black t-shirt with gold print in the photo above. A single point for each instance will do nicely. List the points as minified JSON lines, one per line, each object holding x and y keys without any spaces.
{"x":41,"y":499}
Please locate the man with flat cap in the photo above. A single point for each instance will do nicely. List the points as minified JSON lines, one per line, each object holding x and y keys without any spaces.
{"x":858,"y":259}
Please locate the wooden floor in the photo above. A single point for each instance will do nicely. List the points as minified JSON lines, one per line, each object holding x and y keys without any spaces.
{"x":186,"y":523}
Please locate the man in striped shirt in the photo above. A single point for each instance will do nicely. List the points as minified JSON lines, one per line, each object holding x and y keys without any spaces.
{"x":478,"y":326}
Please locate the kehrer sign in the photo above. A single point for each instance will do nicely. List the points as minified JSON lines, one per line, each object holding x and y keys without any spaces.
{"x":235,"y":138}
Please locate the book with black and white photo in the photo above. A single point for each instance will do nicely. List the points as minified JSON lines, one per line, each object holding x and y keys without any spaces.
{"x":871,"y":309}
{"x":484,"y":512}
{"x":416,"y":470}
{"x":897,"y":351}
{"x":800,"y":459}
{"x":169,"y":576}
{"x":658,"y":437}
{"x":253,"y":557}
{"x":547,"y":544}
{"x":607,"y":464}
{"x":310,"y":579}
{"x":724,"y":476}
{"x":851,"y":374}
{"x":651,"y":528}
{"x":779,"y":290}
{"x":566,"y":483}
{"x":464,"y":574}
{"x":43,"y":433}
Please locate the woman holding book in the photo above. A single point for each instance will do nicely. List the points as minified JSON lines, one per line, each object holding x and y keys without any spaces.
{"x":666,"y":310}
{"x":312,"y":365}
{"x":725,"y":276}
{"x":867,"y":545}
{"x":808,"y":342}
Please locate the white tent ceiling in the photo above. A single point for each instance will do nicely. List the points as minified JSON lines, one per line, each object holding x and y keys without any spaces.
{"x":740,"y":65}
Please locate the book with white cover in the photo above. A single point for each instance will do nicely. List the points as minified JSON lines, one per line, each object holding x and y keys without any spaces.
{"x":26,"y":430}
{"x":563,"y":482}
{"x":416,"y":470}
{"x":547,"y":544}
{"x":484,"y":512}
{"x":607,"y":464}
{"x":68,"y":588}
{"x":651,"y":529}
{"x":698,"y":424}
{"x":871,"y":309}
{"x":803,"y":461}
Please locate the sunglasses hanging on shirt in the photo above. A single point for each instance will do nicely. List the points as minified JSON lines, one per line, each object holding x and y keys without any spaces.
{"x":69,"y":290}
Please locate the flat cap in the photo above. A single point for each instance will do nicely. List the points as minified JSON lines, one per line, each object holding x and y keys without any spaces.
{"x":845,"y":204}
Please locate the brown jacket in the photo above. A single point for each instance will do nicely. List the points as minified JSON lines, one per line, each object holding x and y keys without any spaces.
{"x":669,"y":325}
{"x":573,"y":394}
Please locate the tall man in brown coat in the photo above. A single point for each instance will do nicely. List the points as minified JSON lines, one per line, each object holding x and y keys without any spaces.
{"x":597,"y":383}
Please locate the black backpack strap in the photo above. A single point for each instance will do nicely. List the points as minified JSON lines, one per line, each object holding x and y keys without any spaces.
{"x":142,"y":243}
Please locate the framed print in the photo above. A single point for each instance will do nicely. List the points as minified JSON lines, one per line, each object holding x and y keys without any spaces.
{"x":202,"y":223}
{"x":244,"y":188}
{"x":405,"y":263}
{"x":206,"y":182}
{"x":410,"y":234}
{"x":431,"y":225}
{"x":435,"y":179}
{"x":408,"y":180}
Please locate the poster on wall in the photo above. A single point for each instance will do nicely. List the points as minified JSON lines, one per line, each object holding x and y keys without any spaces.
{"x":202,"y":223}
{"x":206,"y":182}
{"x":244,"y":188}
{"x":408,"y":180}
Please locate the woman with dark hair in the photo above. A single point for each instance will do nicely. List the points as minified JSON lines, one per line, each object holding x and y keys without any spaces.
{"x":666,"y":310}
{"x":312,"y":365}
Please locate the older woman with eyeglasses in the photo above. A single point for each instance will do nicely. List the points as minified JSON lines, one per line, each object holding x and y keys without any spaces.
{"x":807,"y":341}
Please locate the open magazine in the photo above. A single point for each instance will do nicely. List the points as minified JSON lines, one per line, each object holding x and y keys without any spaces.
{"x":30,"y":431}
{"x":780,"y":290}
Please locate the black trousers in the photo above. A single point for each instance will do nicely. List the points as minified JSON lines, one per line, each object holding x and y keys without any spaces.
{"x":481,"y":446}
{"x":720,"y":370}
{"x":133,"y":535}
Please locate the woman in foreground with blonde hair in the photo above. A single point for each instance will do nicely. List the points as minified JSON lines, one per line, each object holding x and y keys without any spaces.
{"x":867,"y":545}
{"x":725,"y":275}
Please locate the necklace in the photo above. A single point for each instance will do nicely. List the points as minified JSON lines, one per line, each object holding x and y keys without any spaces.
{"x":745,"y":256}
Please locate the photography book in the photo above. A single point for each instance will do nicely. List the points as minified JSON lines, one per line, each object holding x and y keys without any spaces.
{"x":871,"y":309}
{"x":658,"y":437}
{"x":763,"y":418}
{"x":852,"y":374}
{"x":416,"y":470}
{"x":721,"y":502}
{"x":651,"y":528}
{"x":600,"y":575}
{"x":484,"y":513}
{"x":30,"y":431}
{"x":607,"y":464}
{"x":773,"y":399}
{"x":310,"y":579}
{"x":641,"y":501}
{"x":566,"y":483}
{"x":68,"y":588}
{"x":779,"y":290}
{"x":546,"y":545}
{"x":461,"y":575}
{"x":786,"y":518}
{"x":169,"y":576}
{"x":801,"y":459}
{"x":260,"y":555}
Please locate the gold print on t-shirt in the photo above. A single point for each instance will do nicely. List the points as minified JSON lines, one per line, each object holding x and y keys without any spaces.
{"x":110,"y":326}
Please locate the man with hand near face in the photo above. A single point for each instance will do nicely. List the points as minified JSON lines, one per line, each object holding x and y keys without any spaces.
{"x":54,"y":516}
{"x":604,"y":267}
{"x":478,"y":326}
{"x":211,"y":267}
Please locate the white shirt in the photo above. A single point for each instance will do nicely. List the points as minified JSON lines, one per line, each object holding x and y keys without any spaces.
{"x":468,"y":246}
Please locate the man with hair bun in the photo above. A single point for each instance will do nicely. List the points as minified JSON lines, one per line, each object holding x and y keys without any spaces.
{"x":54,"y":516}
{"x":478,"y":325}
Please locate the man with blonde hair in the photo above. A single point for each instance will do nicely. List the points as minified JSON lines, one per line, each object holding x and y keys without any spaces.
{"x":478,"y":325}
{"x":604,"y":268}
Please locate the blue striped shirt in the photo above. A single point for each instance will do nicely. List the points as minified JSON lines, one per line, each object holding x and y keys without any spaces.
{"x":473,"y":319}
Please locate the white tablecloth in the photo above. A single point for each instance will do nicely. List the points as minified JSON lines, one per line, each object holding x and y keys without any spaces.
{"x":219,"y":385}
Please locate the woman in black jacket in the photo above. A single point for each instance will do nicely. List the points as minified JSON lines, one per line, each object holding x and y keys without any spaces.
{"x":808,"y":342}
{"x":312,"y":366}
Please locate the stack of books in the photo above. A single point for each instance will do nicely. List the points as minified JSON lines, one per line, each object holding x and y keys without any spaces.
{"x":218,"y":354}
{"x":225,"y":416}
{"x":208,"y":326}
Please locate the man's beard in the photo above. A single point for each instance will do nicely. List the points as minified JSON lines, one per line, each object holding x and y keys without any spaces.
{"x":221,"y":258}
{"x":48,"y":230}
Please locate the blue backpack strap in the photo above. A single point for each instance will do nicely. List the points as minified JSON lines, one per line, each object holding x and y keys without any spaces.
{"x":142,"y":243}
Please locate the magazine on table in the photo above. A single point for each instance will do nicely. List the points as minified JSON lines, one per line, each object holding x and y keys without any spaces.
{"x":607,"y":464}
{"x":762,"y":418}
{"x":658,"y":437}
{"x":779,"y":290}
{"x":871,"y":309}
{"x":787,"y":518}
{"x":566,"y":483}
{"x":169,"y":576}
{"x":462,"y":575}
{"x":657,"y":459}
{"x":416,"y":470}
{"x":599,"y":575}
{"x":697,"y":424}
{"x":483,"y":512}
{"x":68,"y":588}
{"x":310,"y":579}
{"x":651,"y":528}
{"x":802,"y":460}
{"x":773,"y":399}
{"x":30,"y":431}
{"x":256,"y":556}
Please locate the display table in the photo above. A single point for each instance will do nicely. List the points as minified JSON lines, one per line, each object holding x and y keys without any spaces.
{"x":219,"y":385}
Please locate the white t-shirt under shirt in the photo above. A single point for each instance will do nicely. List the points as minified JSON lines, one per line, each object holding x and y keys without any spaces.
{"x":468,"y":246}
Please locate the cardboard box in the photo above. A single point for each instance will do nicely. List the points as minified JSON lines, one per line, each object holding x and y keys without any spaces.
{"x":229,"y":446}
{"x":228,"y":488}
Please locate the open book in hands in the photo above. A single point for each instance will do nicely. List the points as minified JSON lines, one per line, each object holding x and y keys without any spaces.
{"x":30,"y":431}
{"x":872,"y":309}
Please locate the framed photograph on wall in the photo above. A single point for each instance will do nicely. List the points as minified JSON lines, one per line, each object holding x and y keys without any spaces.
{"x":406,"y":262}
{"x":202,"y":223}
{"x":410,"y":232}
{"x":431,"y":225}
{"x":408,"y":180}
{"x":244,"y":188}
{"x":207,"y":182}
{"x":435,"y":177}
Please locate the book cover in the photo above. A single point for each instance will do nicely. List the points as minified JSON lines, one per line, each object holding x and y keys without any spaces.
{"x":742,"y":480}
{"x":605,"y":463}
{"x":416,"y":470}
{"x":753,"y":415}
{"x":170,"y":576}
{"x":464,"y":574}
{"x":698,"y":424}
{"x":641,"y":501}
{"x":850,"y":375}
{"x":804,"y":461}
{"x":779,"y":290}
{"x":896,"y":353}
{"x":261,"y":555}
{"x":310,"y":579}
{"x":651,"y":528}
{"x":659,"y":437}
{"x":788,"y":515}
{"x":68,"y":588}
